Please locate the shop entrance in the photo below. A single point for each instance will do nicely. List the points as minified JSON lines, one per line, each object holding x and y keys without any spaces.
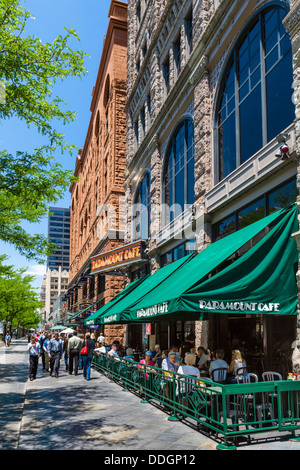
{"x":264,"y":340}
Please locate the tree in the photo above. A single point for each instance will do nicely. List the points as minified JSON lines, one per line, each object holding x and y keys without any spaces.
{"x":29,"y":70}
{"x":19,"y":302}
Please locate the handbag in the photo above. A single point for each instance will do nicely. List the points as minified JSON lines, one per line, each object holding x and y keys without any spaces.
{"x":84,"y":351}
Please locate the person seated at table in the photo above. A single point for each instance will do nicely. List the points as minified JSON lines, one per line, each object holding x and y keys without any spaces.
{"x":156,"y":354}
{"x":189,"y":367}
{"x":236,"y":362}
{"x":218,"y":363}
{"x":113,"y":351}
{"x":129,"y":354}
{"x":148,"y":361}
{"x":170,"y":363}
{"x":160,"y":359}
{"x":175,"y":349}
{"x":100,"y":348}
{"x":202,"y":358}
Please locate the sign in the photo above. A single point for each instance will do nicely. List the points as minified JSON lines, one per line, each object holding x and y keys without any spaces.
{"x":128,"y":254}
{"x":239,"y":306}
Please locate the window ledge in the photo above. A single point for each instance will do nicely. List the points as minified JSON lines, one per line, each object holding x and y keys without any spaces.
{"x":253,"y":171}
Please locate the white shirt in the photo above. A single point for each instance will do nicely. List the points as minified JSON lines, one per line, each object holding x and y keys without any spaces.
{"x":34,"y":350}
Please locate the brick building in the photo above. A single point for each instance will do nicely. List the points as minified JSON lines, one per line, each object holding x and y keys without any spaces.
{"x":97,"y":222}
{"x":210,"y":104}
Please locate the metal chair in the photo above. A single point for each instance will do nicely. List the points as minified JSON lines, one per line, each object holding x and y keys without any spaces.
{"x":270,"y":376}
{"x":247,"y":378}
{"x":219,"y":375}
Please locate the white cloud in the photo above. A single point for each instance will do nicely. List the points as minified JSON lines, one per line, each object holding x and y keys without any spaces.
{"x":36,"y":270}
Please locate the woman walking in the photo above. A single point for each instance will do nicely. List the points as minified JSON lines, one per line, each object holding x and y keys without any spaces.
{"x":87,"y":358}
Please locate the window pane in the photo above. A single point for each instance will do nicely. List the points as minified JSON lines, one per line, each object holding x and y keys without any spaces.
{"x":251,"y":214}
{"x":251,"y":124}
{"x":190,"y":164}
{"x":226,"y":227}
{"x":280,"y":108}
{"x":227,"y":146}
{"x":179,"y":191}
{"x":282,"y":197}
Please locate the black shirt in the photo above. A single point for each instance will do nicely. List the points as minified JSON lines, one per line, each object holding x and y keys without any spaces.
{"x":90,"y":343}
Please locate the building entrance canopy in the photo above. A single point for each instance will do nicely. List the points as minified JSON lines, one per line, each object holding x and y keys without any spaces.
{"x":113,"y":311}
{"x":261,"y":281}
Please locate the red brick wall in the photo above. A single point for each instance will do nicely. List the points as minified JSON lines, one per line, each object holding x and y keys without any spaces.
{"x":104,"y":153}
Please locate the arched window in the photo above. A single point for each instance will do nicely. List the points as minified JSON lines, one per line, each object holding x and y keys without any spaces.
{"x":142,"y":209}
{"x":178,"y":175}
{"x":255,"y":100}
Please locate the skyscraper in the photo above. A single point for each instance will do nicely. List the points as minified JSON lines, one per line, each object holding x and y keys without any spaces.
{"x":59,"y":234}
{"x":58,"y":262}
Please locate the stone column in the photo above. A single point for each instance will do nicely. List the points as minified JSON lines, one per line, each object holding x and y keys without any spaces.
{"x":292,"y":26}
{"x":203,"y":165}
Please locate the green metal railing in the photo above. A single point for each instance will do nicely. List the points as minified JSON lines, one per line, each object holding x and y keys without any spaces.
{"x":229,"y":411}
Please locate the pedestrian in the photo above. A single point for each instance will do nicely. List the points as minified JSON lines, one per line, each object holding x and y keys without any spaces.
{"x":80,"y":366}
{"x":74,"y":348}
{"x":87,"y":358}
{"x":45,"y":351}
{"x":34,"y":349}
{"x":65,"y":350}
{"x":55,"y":352}
{"x":7,"y":339}
{"x":42,"y":339}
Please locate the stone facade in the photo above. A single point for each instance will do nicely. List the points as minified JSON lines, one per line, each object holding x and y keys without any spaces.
{"x":97,"y":198}
{"x":292,"y":25}
{"x":155,"y":29}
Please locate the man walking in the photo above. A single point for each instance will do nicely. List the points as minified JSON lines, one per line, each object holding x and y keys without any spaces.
{"x":55,"y":352}
{"x":7,"y":340}
{"x":34,"y":354}
{"x":41,"y":341}
{"x":74,"y":348}
{"x":45,"y":351}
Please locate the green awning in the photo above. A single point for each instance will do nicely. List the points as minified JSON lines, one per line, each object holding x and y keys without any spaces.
{"x":118,"y":313}
{"x":75,"y":315}
{"x":262,"y":281}
{"x":94,"y":319}
{"x":243,"y":281}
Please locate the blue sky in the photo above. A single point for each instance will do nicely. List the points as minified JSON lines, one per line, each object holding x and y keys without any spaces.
{"x":90,"y":20}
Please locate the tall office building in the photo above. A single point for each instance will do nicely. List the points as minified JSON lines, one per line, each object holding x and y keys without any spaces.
{"x":58,"y":262}
{"x":59,"y":234}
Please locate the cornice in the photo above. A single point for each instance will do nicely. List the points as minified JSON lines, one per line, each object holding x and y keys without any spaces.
{"x":292,"y":20}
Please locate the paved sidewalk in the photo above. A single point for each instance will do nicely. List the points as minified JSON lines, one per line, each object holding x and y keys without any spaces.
{"x":69,"y":413}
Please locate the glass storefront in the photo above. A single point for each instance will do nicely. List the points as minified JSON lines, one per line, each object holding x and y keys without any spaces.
{"x":178,"y":252}
{"x":270,"y":202}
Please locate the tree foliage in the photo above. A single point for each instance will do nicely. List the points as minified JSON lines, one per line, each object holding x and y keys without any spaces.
{"x":29,"y":69}
{"x":19,"y":302}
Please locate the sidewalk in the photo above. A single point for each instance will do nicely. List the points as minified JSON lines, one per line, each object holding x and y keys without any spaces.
{"x":69,"y":413}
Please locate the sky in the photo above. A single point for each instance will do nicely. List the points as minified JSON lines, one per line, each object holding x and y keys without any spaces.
{"x":90,"y":20}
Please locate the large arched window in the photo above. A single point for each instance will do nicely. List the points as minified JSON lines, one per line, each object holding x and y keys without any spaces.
{"x":142,"y":209}
{"x":178,"y":175}
{"x":255,"y":102}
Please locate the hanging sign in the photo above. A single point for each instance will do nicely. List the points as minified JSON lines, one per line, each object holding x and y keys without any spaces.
{"x":128,"y":254}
